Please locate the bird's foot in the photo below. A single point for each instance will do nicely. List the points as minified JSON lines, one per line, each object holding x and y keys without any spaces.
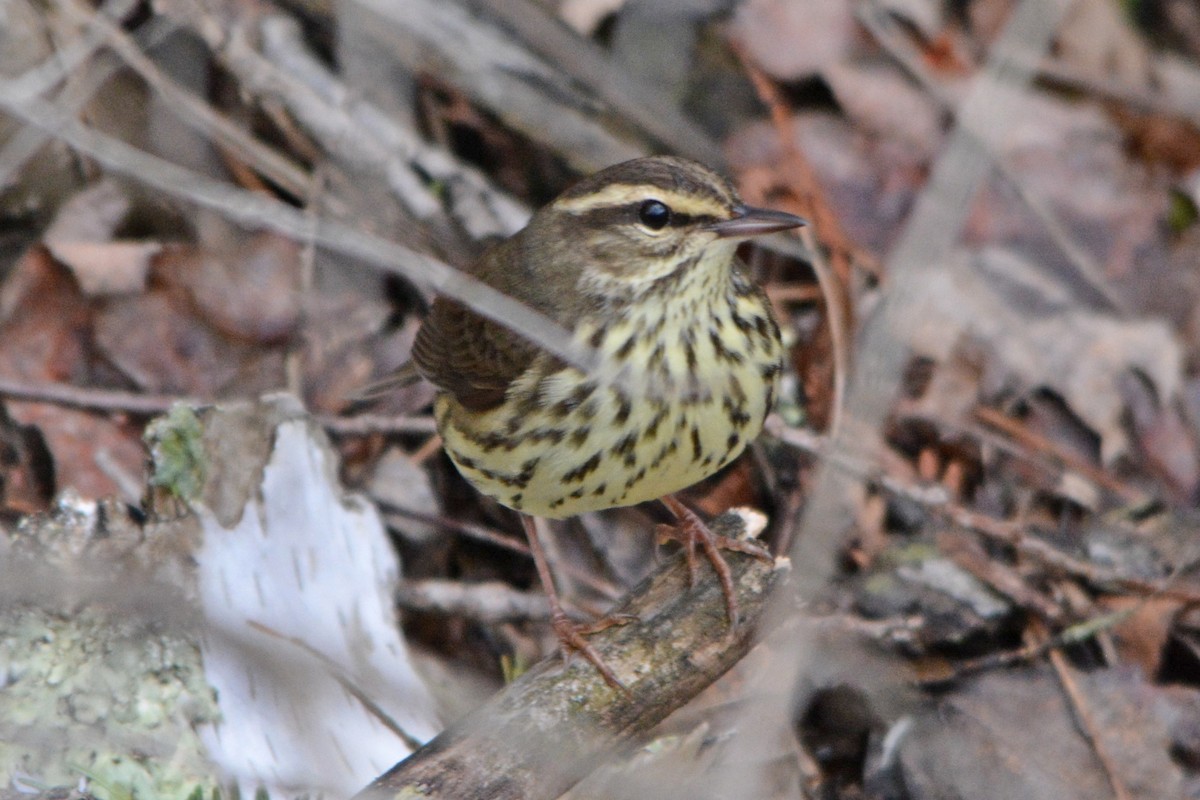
{"x":690,"y":531}
{"x":572,"y":638}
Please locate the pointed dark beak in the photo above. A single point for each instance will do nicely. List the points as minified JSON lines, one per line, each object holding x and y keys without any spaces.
{"x":752,"y":221}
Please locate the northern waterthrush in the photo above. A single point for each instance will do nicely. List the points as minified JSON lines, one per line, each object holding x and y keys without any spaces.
{"x":638,"y":261}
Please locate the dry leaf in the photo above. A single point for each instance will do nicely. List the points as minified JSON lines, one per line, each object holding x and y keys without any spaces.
{"x":1032,"y":324}
{"x":163,"y":350}
{"x":881,"y":101}
{"x":1142,"y":636}
{"x":92,"y":215}
{"x":1098,"y":40}
{"x":80,"y":238}
{"x":251,"y":293}
{"x":792,"y":39}
{"x":980,"y":743}
{"x":107,"y":269}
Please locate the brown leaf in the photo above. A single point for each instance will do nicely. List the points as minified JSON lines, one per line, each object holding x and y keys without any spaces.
{"x":44,"y":338}
{"x":251,"y":293}
{"x":108,"y":269}
{"x":163,"y":350}
{"x":870,"y":181}
{"x":1141,"y":637}
{"x":44,"y":321}
{"x":792,"y":39}
{"x":1011,"y":734}
{"x":80,"y":237}
{"x":93,"y":454}
{"x":92,"y":215}
{"x":1030,"y":322}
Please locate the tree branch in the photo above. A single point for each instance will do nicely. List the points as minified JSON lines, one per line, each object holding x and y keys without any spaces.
{"x":554,"y":725}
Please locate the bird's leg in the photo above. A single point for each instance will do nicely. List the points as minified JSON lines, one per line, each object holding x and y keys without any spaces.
{"x":570,"y":636}
{"x":690,"y":530}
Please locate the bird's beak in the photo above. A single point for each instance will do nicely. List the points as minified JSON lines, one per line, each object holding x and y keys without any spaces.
{"x":752,"y":221}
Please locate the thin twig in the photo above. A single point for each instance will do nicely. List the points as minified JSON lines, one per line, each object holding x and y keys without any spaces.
{"x":368,"y":424}
{"x":339,"y":674}
{"x":1146,"y":98}
{"x":25,"y":143}
{"x":1027,"y":437}
{"x":253,"y":210}
{"x":1072,"y":635}
{"x":935,"y":500}
{"x":1082,"y":712}
{"x":633,"y":99}
{"x":393,"y":515}
{"x":65,"y":394}
{"x":193,"y":111}
{"x":802,"y":179}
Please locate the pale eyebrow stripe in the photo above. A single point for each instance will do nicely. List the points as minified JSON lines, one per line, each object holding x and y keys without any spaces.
{"x":627,"y":193}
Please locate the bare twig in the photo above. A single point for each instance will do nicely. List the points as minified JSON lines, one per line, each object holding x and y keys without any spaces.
{"x":64,"y":394}
{"x":487,"y":602}
{"x":25,"y":143}
{"x":361,"y":134}
{"x":1029,"y":438}
{"x":833,"y":282}
{"x":487,"y":63}
{"x":646,"y":105}
{"x":250,"y":209}
{"x":342,"y":677}
{"x":193,"y":111}
{"x":1075,"y":634}
{"x":966,"y":551}
{"x":935,"y":500}
{"x":367,"y":424}
{"x":1034,"y":547}
{"x":92,"y":399}
{"x":1080,"y":706}
{"x":66,"y":60}
{"x":483,"y":534}
{"x":1153,"y":99}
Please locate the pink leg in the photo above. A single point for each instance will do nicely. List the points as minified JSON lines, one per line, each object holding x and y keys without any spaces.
{"x":570,"y":636}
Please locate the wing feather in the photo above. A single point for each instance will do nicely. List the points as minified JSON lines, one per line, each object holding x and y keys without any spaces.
{"x":469,"y":356}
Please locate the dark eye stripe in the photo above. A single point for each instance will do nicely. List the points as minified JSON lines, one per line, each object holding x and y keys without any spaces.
{"x":677,"y":219}
{"x":614,"y":215}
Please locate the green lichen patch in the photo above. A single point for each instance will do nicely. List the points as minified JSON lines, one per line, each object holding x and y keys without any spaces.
{"x":176,"y":443}
{"x":108,"y":699}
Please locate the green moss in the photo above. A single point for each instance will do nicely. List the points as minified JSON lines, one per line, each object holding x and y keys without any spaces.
{"x":177,"y":449}
{"x":1182,"y":213}
{"x":908,"y":553}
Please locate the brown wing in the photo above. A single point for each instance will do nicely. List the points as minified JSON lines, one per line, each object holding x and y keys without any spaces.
{"x":469,"y":356}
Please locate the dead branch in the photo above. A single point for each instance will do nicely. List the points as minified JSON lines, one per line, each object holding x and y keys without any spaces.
{"x":554,"y":725}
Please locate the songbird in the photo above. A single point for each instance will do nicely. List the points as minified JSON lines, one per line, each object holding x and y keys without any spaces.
{"x":637,"y":261}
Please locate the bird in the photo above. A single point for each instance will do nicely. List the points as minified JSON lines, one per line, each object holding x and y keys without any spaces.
{"x":638,"y":262}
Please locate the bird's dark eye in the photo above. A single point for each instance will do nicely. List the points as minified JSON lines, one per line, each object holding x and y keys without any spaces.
{"x":654,"y":214}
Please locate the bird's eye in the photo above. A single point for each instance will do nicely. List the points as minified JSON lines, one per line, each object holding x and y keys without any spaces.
{"x":654,"y":214}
